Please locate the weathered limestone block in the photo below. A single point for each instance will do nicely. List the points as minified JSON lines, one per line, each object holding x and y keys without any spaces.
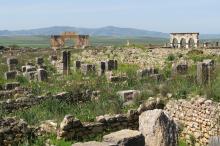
{"x":12,"y":61}
{"x":102,"y":68}
{"x":68,"y":126}
{"x":88,"y":68}
{"x":92,"y":143}
{"x":78,"y":64}
{"x":39,"y":60}
{"x":30,"y":68}
{"x":11,"y":86}
{"x":179,"y":68}
{"x":48,"y":126}
{"x":30,"y":75}
{"x":125,"y":137}
{"x":23,"y":68}
{"x":112,"y":65}
{"x":42,"y":75}
{"x":10,"y":75}
{"x":128,"y":95}
{"x":66,"y":56}
{"x":205,"y":71}
{"x":147,"y":72}
{"x":214,"y":141}
{"x":158,"y":129}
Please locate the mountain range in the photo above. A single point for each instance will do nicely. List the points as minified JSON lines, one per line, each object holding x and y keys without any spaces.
{"x":104,"y":31}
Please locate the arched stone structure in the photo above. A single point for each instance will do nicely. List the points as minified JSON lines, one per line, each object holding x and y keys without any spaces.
{"x":184,"y":40}
{"x":58,"y":41}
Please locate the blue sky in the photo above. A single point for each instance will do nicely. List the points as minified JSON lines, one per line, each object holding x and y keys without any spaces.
{"x":159,"y":15}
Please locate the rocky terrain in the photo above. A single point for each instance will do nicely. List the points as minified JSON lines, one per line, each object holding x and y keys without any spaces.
{"x":122,"y":96}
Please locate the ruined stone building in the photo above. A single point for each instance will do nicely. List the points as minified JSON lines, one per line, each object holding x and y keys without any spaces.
{"x":184,"y":40}
{"x":58,"y":41}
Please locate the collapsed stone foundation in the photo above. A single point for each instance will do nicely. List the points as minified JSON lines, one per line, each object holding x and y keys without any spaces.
{"x":72,"y":128}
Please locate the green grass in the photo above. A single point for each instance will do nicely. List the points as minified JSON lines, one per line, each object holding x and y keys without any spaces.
{"x":44,"y":41}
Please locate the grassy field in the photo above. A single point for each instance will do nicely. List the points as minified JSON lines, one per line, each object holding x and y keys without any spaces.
{"x":44,"y":41}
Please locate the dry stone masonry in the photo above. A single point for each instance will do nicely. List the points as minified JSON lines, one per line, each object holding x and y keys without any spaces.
{"x":72,"y":128}
{"x":13,"y":131}
{"x":199,"y":116}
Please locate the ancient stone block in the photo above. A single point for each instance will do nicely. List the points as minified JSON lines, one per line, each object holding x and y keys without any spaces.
{"x":214,"y":141}
{"x":157,"y":77}
{"x":23,"y":68}
{"x":147,"y":72}
{"x":48,"y":126}
{"x":102,"y":67}
{"x":30,"y":68}
{"x":158,"y":129}
{"x":42,"y":75}
{"x":125,"y":137}
{"x":112,"y":65}
{"x":12,"y":60}
{"x":10,"y":75}
{"x":128,"y":95}
{"x":205,"y":71}
{"x":92,"y":143}
{"x":11,"y":86}
{"x":39,"y":60}
{"x":30,"y":75}
{"x":87,"y":68}
{"x":78,"y":64}
{"x":179,"y":68}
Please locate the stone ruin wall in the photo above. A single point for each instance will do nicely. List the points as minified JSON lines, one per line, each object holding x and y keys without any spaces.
{"x":12,"y":105}
{"x":199,"y":117}
{"x":72,"y":128}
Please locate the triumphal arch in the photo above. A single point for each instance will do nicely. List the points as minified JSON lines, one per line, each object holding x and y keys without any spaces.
{"x":184,"y":40}
{"x":58,"y":41}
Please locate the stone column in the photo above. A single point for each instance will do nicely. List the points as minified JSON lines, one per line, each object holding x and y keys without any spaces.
{"x":102,"y":67}
{"x":12,"y":63}
{"x":78,"y":64}
{"x":66,"y":62}
{"x":204,"y":71}
{"x":41,"y":75}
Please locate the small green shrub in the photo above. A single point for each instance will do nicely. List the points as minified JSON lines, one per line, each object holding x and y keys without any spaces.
{"x":171,"y":57}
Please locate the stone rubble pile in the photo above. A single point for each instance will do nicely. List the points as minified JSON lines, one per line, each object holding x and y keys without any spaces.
{"x":13,"y":131}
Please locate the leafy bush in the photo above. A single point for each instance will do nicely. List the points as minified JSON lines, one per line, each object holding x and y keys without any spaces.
{"x":171,"y":57}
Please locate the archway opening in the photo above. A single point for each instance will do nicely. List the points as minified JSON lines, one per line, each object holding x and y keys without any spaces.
{"x":183,"y":43}
{"x":191,"y":43}
{"x":69,"y":42}
{"x":175,"y":43}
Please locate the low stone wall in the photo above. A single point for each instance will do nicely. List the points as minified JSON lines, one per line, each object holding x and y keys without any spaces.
{"x":199,"y":117}
{"x":11,"y":105}
{"x":72,"y":128}
{"x":13,"y":131}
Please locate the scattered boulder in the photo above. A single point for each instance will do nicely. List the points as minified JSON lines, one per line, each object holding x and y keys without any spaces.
{"x":92,"y":143}
{"x":128,"y":95}
{"x":125,"y":137}
{"x":158,"y":129}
